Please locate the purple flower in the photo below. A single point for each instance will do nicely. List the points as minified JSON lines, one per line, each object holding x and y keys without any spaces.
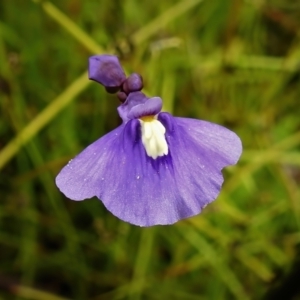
{"x":154,"y":168}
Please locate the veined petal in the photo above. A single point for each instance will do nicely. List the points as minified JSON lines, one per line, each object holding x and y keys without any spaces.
{"x":220,"y":144}
{"x":199,"y":151}
{"x":84,"y":176}
{"x":146,"y":191}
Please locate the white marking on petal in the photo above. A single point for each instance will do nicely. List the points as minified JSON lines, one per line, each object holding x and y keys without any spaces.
{"x":153,"y":137}
{"x":147,"y":132}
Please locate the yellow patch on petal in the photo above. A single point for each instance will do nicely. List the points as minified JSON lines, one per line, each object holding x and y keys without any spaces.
{"x":147,"y":118}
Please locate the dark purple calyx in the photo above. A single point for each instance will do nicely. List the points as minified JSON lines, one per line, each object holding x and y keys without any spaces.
{"x":122,"y":96}
{"x":106,"y":70}
{"x":138,"y":105}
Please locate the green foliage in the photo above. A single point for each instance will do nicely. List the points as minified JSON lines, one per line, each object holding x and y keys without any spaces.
{"x":231,"y":62}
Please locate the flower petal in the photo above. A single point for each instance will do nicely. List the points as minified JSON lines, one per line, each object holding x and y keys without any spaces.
{"x":146,"y":191}
{"x":199,"y":150}
{"x":151,"y":107}
{"x":221,"y":145}
{"x":84,"y":175}
{"x":133,"y":99}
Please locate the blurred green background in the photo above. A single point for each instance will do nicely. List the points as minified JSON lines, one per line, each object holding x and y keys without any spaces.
{"x":236,"y":63}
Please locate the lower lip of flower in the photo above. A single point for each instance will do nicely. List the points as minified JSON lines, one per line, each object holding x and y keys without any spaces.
{"x":153,"y":136}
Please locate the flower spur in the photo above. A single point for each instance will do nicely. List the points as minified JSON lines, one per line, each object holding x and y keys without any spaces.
{"x":154,"y":168}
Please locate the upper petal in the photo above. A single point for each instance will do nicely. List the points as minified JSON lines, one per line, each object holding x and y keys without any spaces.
{"x":151,"y":107}
{"x":133,"y":99}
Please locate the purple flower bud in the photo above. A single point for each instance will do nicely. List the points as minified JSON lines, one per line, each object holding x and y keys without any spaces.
{"x":106,"y":70}
{"x":133,"y":83}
